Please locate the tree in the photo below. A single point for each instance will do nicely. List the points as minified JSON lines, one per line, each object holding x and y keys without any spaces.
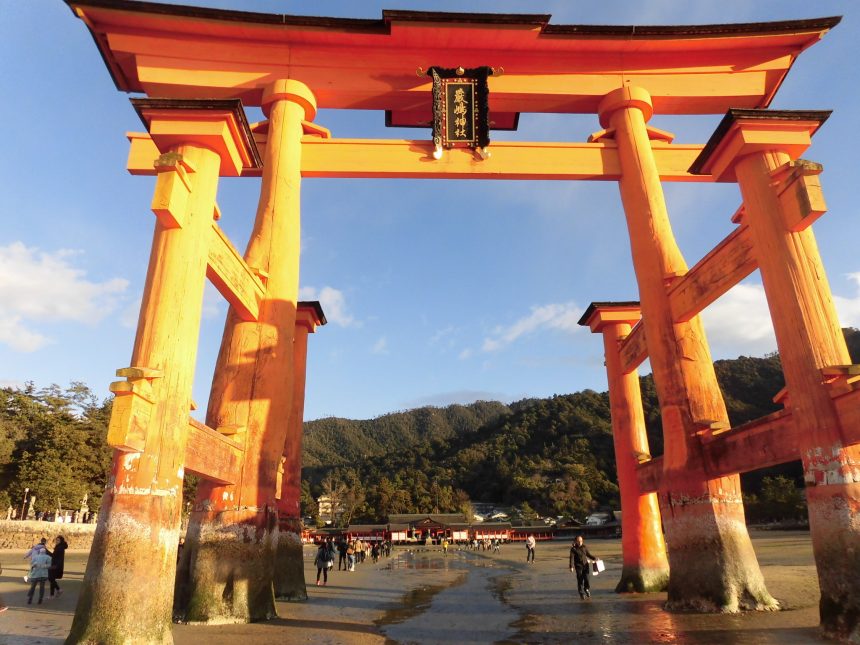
{"x":309,"y":508}
{"x":353,"y":501}
{"x":65,"y":455}
{"x":527,"y":511}
{"x":334,"y":490}
{"x":462,"y":504}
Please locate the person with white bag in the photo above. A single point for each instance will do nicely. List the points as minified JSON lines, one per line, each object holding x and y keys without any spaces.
{"x":324,"y":560}
{"x":580,"y":562}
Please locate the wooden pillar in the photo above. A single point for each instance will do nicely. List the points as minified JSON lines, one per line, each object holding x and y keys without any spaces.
{"x":643,"y":549}
{"x":137,"y":534}
{"x":782,"y":197}
{"x":289,"y":573}
{"x":713,"y":565}
{"x":233,"y":530}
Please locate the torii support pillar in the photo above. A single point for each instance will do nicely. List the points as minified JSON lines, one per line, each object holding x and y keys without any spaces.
{"x":289,"y":579}
{"x":643,"y":548}
{"x":713,"y":565}
{"x":233,"y":530}
{"x":782,"y":197}
{"x":127,"y":593}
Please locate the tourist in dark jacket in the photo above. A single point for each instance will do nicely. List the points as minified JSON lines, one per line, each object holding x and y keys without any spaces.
{"x":341,"y":550}
{"x":324,"y":560}
{"x":580,"y":559}
{"x":58,"y":562}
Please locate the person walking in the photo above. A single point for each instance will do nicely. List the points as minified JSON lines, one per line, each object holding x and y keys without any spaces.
{"x":3,"y":607}
{"x":341,"y":550}
{"x":324,"y":561}
{"x":350,"y":556}
{"x":58,"y":561}
{"x":36,"y":549}
{"x":530,"y":548}
{"x":39,"y":565}
{"x":580,"y":559}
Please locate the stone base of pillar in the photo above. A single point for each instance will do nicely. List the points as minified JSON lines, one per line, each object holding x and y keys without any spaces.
{"x":834,"y":521}
{"x":289,"y":562}
{"x":637,"y":579}
{"x":134,"y":549}
{"x":232,"y":556}
{"x":711,"y":558}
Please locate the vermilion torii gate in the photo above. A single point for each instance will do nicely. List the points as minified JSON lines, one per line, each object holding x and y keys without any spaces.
{"x":199,"y":66}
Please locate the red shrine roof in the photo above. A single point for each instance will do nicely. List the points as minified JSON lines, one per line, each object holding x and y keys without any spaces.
{"x":352,"y":63}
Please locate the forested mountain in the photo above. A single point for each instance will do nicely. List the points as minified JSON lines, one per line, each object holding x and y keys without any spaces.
{"x":334,"y":441}
{"x":552,"y":455}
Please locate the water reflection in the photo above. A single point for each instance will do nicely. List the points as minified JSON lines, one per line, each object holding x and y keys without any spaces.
{"x":488,"y":600}
{"x":469,"y":610}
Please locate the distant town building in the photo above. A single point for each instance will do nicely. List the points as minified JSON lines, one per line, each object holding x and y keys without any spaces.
{"x":329,"y":511}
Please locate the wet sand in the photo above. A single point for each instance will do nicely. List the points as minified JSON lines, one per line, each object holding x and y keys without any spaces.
{"x":420,"y":596}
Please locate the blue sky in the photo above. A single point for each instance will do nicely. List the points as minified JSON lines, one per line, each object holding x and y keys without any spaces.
{"x":435,"y":291}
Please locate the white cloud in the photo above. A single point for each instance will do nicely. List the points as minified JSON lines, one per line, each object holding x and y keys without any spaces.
{"x":444,"y":336}
{"x":849,"y":308}
{"x":11,"y":383}
{"x":466,"y":353}
{"x":562,"y":316}
{"x":130,"y":313}
{"x":333,"y":304}
{"x":37,"y":286}
{"x":18,"y":337}
{"x":739,"y":323}
{"x":380,"y":347}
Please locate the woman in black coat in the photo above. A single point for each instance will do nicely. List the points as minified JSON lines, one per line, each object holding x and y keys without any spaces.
{"x":58,"y":561}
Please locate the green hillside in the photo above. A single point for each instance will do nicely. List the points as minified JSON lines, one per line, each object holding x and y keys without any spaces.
{"x":551,"y":455}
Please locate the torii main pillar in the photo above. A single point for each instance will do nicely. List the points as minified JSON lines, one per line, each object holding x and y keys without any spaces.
{"x":127,"y":591}
{"x":233,"y":530}
{"x":782,"y":197}
{"x":289,"y":579}
{"x":713,"y":565}
{"x":643,"y":548}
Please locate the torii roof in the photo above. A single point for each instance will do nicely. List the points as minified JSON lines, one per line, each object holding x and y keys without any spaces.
{"x":191,"y":52}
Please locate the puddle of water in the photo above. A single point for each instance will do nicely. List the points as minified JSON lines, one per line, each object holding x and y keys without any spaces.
{"x":414,"y":603}
{"x":418,"y":560}
{"x":469,"y":611}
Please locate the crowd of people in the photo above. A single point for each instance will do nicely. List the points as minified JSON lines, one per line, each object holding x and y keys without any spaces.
{"x":348,"y":553}
{"x":487,"y":544}
{"x":47,"y":565}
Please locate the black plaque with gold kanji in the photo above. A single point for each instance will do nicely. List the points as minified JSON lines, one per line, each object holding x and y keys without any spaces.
{"x":460,"y":107}
{"x":458,"y":97}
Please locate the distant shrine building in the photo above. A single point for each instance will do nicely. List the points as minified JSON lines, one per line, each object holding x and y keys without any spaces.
{"x":458,"y":78}
{"x":429,"y":529}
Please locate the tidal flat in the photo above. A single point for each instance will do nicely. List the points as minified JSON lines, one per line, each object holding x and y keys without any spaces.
{"x":421,"y":596}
